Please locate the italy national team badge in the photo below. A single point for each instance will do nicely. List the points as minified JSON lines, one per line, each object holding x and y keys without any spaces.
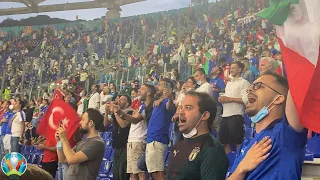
{"x":194,"y":153}
{"x":14,"y":165}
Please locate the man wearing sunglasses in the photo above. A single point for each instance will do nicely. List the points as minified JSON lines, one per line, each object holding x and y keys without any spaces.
{"x":279,"y":153}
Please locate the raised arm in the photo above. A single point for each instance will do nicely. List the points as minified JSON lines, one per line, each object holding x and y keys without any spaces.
{"x":292,"y":114}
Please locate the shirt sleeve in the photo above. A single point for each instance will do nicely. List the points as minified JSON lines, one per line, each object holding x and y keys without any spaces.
{"x":244,"y":95}
{"x":214,"y":164}
{"x":93,"y":149}
{"x":293,"y":139}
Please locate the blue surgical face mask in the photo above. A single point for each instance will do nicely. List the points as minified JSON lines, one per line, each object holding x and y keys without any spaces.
{"x":264,"y":112}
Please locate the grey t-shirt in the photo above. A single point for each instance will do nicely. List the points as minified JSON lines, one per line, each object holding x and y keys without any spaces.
{"x":93,"y":148}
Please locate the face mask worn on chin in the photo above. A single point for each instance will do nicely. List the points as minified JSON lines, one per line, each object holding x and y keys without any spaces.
{"x":194,"y":131}
{"x":264,"y":112}
{"x":199,"y":83}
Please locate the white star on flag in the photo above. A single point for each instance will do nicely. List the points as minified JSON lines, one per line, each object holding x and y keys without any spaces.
{"x":65,"y":122}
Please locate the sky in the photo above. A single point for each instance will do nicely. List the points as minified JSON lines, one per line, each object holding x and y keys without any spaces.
{"x":147,"y":6}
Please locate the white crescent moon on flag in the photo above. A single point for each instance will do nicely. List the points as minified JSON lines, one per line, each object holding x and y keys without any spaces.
{"x":51,"y":123}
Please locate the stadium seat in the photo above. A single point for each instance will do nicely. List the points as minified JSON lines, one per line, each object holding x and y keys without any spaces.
{"x":107,"y":153}
{"x":248,"y":133}
{"x":106,"y":135}
{"x":308,"y":157}
{"x":171,"y":134}
{"x":108,"y":143}
{"x":166,"y":158}
{"x":105,"y":169}
{"x":101,"y":134}
{"x":231,"y":156}
{"x":313,"y":146}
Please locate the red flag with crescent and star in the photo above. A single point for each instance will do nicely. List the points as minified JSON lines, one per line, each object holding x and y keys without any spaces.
{"x":57,"y":94}
{"x":58,"y":111}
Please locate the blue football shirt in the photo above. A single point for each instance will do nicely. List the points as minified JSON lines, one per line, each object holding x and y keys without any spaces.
{"x":158,"y":127}
{"x":286,"y":155}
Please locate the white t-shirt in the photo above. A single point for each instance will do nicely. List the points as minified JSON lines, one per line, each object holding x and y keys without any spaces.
{"x":138,"y":132}
{"x":80,"y":107}
{"x":236,"y":88}
{"x":16,"y":124}
{"x":103,"y":100}
{"x":205,"y":88}
{"x":94,"y":101}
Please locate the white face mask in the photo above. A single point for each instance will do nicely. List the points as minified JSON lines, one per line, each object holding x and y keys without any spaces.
{"x":194,"y":131}
{"x":11,"y":107}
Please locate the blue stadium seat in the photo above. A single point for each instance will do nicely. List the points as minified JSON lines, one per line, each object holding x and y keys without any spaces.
{"x":111,"y":155}
{"x":101,"y":134}
{"x":106,"y":135}
{"x":105,"y":169}
{"x":313,"y":146}
{"x":107,"y":153}
{"x":166,"y":158}
{"x":27,"y":149}
{"x":247,"y":120}
{"x":108,"y":143}
{"x":308,"y":157}
{"x":171,"y":134}
{"x":231,"y":156}
{"x":248,"y":133}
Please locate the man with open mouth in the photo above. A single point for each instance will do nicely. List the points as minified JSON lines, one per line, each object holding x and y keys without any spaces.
{"x":281,"y":138}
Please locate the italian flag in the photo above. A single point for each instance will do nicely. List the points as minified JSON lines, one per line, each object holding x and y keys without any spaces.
{"x":143,"y":22}
{"x":35,"y":36}
{"x":236,"y":14}
{"x":118,"y":27}
{"x":156,"y":49}
{"x":87,"y":38}
{"x":55,"y":33}
{"x":298,"y":31}
{"x":206,"y":18}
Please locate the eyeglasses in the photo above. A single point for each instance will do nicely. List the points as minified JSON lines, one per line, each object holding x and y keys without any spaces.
{"x":258,"y":85}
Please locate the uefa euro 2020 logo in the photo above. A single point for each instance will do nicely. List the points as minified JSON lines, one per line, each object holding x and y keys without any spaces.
{"x":14,"y":164}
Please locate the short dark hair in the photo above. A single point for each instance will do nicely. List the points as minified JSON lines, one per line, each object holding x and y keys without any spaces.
{"x":205,"y":103}
{"x":193,"y":80}
{"x":201,"y":71}
{"x":167,"y":80}
{"x":46,"y":100}
{"x":220,"y":71}
{"x":239,"y":64}
{"x":128,"y":98}
{"x":135,"y":90}
{"x":280,"y":79}
{"x":96,"y":117}
{"x":151,"y":89}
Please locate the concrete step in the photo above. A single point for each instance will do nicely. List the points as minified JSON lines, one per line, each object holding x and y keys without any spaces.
{"x":311,"y":170}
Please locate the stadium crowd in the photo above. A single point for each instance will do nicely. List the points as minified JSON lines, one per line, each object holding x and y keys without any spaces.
{"x":176,"y":123}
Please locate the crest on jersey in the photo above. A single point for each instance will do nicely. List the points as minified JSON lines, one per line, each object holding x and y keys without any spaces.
{"x":194,"y":153}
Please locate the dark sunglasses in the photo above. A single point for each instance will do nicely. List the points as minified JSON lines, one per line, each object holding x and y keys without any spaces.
{"x":258,"y":85}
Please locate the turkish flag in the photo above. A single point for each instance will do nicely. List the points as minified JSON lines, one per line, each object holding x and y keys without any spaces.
{"x":58,"y":111}
{"x":57,"y":94}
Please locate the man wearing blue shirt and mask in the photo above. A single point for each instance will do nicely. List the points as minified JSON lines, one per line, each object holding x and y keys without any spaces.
{"x":279,"y":153}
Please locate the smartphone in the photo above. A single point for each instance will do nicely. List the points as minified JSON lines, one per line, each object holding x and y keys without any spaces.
{"x":60,"y":124}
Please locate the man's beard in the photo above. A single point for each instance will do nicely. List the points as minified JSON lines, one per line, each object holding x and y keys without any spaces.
{"x":84,"y":131}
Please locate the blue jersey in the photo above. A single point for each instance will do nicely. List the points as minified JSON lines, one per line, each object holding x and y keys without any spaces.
{"x":8,"y":115}
{"x":158,"y":127}
{"x":220,"y":85}
{"x":286,"y":155}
